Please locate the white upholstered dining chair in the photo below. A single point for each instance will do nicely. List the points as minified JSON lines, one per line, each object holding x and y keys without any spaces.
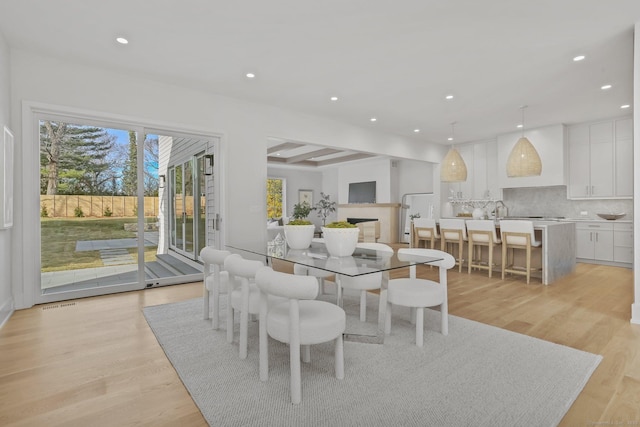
{"x":299,"y":321}
{"x":366,"y":282}
{"x":242,"y":297}
{"x":215,"y":281}
{"x":420,"y":293}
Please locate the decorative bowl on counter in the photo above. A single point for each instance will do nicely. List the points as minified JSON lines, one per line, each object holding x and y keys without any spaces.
{"x":611,"y":216}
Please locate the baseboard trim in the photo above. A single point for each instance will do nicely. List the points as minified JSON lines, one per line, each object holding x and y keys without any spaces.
{"x":6,"y":310}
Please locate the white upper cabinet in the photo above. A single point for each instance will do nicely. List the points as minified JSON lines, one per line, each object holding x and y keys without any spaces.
{"x":549,"y":143}
{"x":480,"y":159}
{"x":601,"y":159}
{"x":624,"y":158}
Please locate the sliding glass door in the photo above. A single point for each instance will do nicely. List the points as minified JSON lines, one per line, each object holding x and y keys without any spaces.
{"x":188,"y":207}
{"x":117,"y":212}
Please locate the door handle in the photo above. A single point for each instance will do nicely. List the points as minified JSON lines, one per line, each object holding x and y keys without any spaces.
{"x":596,"y":237}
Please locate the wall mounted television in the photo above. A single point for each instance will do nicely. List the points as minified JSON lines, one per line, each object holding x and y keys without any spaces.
{"x":362,"y":192}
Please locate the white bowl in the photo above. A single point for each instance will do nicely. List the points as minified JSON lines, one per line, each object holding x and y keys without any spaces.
{"x":340,"y":241}
{"x":299,"y":236}
{"x":611,"y":216}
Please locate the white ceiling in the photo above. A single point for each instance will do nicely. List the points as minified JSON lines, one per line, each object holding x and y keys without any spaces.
{"x":392,"y":60}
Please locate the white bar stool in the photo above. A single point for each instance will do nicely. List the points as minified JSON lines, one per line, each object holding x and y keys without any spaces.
{"x":425,"y":229}
{"x":517,"y":234}
{"x":453,"y":232}
{"x":481,"y":232}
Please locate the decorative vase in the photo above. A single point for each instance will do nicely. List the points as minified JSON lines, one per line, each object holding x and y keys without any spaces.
{"x":299,"y":236}
{"x":340,"y":241}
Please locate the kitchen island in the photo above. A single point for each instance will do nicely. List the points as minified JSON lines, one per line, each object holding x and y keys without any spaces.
{"x":556,"y":257}
{"x":558,"y":249}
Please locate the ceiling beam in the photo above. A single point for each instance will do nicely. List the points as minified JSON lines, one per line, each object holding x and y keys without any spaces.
{"x":283,"y":161}
{"x":283,"y":147}
{"x":312,"y":154}
{"x":349,"y":158}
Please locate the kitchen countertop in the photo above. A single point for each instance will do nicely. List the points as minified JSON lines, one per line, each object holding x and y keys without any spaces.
{"x":554,"y":219}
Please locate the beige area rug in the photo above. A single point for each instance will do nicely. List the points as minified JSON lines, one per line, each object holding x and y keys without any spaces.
{"x":478,"y":375}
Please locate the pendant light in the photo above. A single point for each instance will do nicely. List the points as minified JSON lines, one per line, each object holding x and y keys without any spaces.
{"x":524,"y":159}
{"x":453,"y":168}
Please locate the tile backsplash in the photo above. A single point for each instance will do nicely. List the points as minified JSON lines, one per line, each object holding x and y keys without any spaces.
{"x":553,"y":202}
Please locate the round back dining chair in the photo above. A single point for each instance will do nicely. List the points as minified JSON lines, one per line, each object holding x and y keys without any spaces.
{"x":420,"y":293}
{"x":366,"y":282}
{"x":300,"y":320}
{"x":215,"y":281}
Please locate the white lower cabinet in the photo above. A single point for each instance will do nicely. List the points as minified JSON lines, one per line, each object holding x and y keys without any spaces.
{"x":594,"y":241}
{"x":623,"y":243}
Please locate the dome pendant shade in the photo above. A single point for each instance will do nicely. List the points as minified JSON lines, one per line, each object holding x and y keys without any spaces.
{"x":453,"y":168}
{"x":523,"y":160}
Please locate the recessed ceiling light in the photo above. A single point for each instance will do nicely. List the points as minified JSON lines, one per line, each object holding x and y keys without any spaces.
{"x":122,"y":40}
{"x":334,"y":98}
{"x":450,"y":138}
{"x":416,"y":130}
{"x":605,"y":87}
{"x":250,"y":75}
{"x":578,"y":58}
{"x":519,"y":126}
{"x":449,"y":97}
{"x":373,"y":119}
{"x":625,"y":106}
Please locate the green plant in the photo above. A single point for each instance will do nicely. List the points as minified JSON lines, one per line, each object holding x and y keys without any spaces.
{"x":300,"y":212}
{"x":325,"y":207}
{"x":414,"y":216}
{"x":44,"y":212}
{"x":107,"y":211}
{"x":77,"y":212}
{"x":340,"y":224}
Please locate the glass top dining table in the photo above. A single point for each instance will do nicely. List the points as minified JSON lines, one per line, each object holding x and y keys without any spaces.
{"x":363,"y":261}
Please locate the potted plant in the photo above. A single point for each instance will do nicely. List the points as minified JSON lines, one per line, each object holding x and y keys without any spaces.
{"x":299,"y":231}
{"x":325,"y":207}
{"x":340,"y":238}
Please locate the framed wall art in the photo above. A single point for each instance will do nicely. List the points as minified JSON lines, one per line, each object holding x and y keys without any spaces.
{"x":305,"y":196}
{"x":6,"y":179}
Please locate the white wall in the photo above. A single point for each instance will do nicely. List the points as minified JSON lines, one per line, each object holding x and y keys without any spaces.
{"x":6,"y":300}
{"x":244,"y":127}
{"x":635,"y":307}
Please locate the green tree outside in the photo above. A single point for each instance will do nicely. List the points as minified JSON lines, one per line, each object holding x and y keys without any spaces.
{"x":274,"y":198}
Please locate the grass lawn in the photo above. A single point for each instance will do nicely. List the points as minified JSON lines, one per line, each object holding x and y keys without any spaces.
{"x":59,"y":237}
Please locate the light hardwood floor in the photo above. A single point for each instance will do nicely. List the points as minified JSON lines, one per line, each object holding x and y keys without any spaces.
{"x":95,"y":361}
